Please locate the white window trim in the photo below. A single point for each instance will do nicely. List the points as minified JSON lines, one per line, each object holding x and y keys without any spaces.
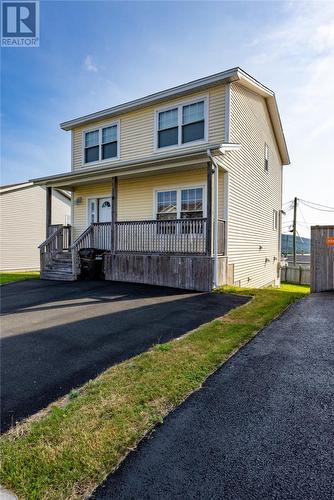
{"x":99,"y":128}
{"x":179,"y":106}
{"x":178,"y":190}
{"x":275,"y":219}
{"x":96,"y":197}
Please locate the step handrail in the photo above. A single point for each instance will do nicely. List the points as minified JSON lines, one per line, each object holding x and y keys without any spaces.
{"x":75,"y":244}
{"x":50,"y":238}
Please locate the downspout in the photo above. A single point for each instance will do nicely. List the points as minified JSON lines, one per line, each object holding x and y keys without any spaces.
{"x":215,"y":220}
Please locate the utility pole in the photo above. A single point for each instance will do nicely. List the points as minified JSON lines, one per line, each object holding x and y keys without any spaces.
{"x":294,"y":229}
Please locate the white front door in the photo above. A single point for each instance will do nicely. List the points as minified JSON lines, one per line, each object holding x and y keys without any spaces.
{"x":99,"y":210}
{"x":105,"y":209}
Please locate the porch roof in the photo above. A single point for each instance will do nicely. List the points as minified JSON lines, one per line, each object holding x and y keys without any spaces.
{"x":193,"y":157}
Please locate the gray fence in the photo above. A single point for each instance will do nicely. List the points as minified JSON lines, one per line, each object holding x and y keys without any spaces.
{"x":299,"y":275}
{"x":322,"y":258}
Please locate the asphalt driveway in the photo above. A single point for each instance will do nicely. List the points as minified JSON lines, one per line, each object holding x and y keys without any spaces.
{"x":58,"y":335}
{"x":261,"y":427}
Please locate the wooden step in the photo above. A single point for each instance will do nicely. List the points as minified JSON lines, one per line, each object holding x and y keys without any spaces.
{"x":56,"y":276}
{"x":61,"y":265}
{"x":64,"y":256}
{"x":59,"y":268}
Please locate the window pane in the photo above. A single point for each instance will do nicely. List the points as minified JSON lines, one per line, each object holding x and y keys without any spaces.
{"x":266,"y":151}
{"x":168,"y":137}
{"x":168,"y":119}
{"x":109,"y":150}
{"x":193,"y":132}
{"x":266,"y":157}
{"x":92,"y":154}
{"x":91,"y":138}
{"x":109,"y":134}
{"x":192,"y":200}
{"x":193,"y":112}
{"x":166,"y":202}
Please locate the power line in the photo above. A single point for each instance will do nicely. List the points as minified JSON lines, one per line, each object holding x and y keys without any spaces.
{"x":301,"y":213}
{"x":318,"y":204}
{"x":325,"y":209}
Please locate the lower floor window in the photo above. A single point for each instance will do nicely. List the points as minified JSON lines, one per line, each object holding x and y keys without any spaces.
{"x":182,"y":203}
{"x":191,"y":203}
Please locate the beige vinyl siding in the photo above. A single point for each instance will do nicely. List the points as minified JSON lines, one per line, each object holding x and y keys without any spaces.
{"x":23,"y":225}
{"x":253,"y":193}
{"x":136,"y":197}
{"x":137,"y":127}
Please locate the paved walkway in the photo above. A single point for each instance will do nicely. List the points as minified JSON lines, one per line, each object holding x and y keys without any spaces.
{"x":262,"y":427}
{"x":58,"y":335}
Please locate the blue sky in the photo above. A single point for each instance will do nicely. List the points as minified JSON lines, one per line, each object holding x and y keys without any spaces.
{"x":94,"y":54}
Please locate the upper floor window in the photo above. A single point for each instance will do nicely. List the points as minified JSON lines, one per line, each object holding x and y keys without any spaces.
{"x":168,"y":128}
{"x":101,"y":144}
{"x":182,"y":124}
{"x":266,"y":157}
{"x":193,"y":122}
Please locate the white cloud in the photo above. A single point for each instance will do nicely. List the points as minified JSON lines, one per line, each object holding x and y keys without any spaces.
{"x":90,"y":65}
{"x":298,"y":57}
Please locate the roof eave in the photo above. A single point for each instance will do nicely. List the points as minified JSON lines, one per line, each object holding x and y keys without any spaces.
{"x":130,"y":164}
{"x":234,"y":74}
{"x":200,"y":84}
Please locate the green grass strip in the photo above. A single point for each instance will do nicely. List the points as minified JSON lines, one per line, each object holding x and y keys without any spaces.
{"x":17,"y":276}
{"x":68,"y":449}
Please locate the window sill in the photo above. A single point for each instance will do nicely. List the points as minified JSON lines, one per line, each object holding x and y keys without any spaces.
{"x":181,"y":146}
{"x":100,"y":162}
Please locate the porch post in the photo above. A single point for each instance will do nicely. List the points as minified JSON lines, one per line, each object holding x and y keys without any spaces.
{"x":209,"y":210}
{"x":48,"y":209}
{"x":114,"y":200}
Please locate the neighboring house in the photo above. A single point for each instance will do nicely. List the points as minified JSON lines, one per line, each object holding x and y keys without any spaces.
{"x":22,"y":221}
{"x":181,"y":188}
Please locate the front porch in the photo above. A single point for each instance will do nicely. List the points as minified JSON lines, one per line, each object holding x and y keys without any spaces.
{"x":183,"y":245}
{"x":165,"y":252}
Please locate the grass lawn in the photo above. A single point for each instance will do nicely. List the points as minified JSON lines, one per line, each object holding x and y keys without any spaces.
{"x":68,"y":449}
{"x":17,"y":276}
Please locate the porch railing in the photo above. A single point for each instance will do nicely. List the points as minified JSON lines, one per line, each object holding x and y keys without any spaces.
{"x":97,"y":235}
{"x":180,"y":236}
{"x":59,"y":239}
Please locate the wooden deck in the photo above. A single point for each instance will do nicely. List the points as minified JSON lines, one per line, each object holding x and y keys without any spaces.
{"x":191,"y":272}
{"x":175,"y":253}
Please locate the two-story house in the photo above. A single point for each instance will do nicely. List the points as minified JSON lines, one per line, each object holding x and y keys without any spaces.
{"x":180,"y":188}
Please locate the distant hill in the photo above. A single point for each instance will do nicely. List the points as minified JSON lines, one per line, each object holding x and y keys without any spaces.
{"x":303,"y":245}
